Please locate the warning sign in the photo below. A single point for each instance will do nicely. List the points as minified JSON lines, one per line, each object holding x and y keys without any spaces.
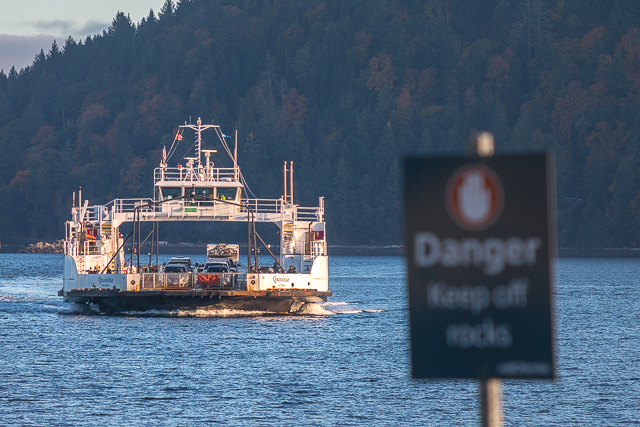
{"x":478,"y":239}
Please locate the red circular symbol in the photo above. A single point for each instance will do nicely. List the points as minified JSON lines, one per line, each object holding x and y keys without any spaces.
{"x":474,"y":197}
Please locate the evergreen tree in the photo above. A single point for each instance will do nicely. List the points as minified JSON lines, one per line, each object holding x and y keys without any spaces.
{"x":345,"y":90}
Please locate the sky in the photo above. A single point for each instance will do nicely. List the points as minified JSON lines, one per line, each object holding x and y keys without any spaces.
{"x":26,"y":26}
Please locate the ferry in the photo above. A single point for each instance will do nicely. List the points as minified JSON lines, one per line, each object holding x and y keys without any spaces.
{"x":104,"y":267}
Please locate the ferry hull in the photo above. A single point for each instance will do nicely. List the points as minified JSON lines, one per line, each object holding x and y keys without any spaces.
{"x":114,"y":301}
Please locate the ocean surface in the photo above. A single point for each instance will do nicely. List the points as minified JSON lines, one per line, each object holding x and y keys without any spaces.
{"x":344,"y":363}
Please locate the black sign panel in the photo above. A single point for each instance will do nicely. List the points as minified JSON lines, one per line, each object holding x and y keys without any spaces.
{"x":478,"y":239}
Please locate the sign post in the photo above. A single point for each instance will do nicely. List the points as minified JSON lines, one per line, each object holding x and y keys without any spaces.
{"x":479,"y":235}
{"x":490,"y":389}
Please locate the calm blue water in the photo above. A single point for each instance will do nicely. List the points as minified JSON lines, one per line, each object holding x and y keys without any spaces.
{"x":348,"y":365}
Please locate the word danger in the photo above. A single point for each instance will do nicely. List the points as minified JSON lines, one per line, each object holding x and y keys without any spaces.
{"x":485,"y":334}
{"x":477,"y":298}
{"x":492,"y":254}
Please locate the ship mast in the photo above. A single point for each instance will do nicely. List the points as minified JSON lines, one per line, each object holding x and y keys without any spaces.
{"x":198,"y":128}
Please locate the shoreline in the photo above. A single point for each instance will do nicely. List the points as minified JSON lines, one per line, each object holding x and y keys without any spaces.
{"x":362,"y":250}
{"x":197,"y":249}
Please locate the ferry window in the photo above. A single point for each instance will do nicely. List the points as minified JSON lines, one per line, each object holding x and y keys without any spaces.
{"x":226,"y":193}
{"x":204,"y":192}
{"x":171,"y":193}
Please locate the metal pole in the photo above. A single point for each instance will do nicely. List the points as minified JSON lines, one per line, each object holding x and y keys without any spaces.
{"x":235,"y":156}
{"x":491,"y":402}
{"x":138,"y":247}
{"x":157,"y":244}
{"x":255,"y":244}
{"x":248,"y":239}
{"x":485,"y":144}
{"x":284,"y":172}
{"x":491,"y":388}
{"x":133,"y":242}
{"x":269,"y":250}
{"x":291,"y":180}
{"x":117,"y":252}
{"x":153,"y":234}
{"x":199,"y":141}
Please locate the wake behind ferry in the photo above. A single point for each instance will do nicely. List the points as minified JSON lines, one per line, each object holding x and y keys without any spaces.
{"x":105,"y":267}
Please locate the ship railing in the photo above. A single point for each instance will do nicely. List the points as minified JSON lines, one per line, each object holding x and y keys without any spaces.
{"x":184,"y":174}
{"x":92,"y":214}
{"x":129,"y":205}
{"x":308,"y":214}
{"x":92,"y":248}
{"x":262,"y":205}
{"x":277,"y":206}
{"x":166,"y":281}
{"x":70,"y":248}
{"x":318,"y":248}
{"x":86,"y":247}
{"x":222,"y":281}
{"x":300,"y":213}
{"x":191,"y":281}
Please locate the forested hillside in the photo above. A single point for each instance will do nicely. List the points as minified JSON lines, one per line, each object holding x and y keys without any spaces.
{"x":344,"y":88}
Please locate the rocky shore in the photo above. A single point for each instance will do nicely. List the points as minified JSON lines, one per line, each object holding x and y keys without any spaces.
{"x":43,"y":248}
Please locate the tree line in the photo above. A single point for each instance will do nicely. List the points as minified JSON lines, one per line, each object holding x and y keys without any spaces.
{"x":345,"y":89}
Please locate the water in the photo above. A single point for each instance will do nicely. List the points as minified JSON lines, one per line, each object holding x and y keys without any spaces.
{"x":344,"y":363}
